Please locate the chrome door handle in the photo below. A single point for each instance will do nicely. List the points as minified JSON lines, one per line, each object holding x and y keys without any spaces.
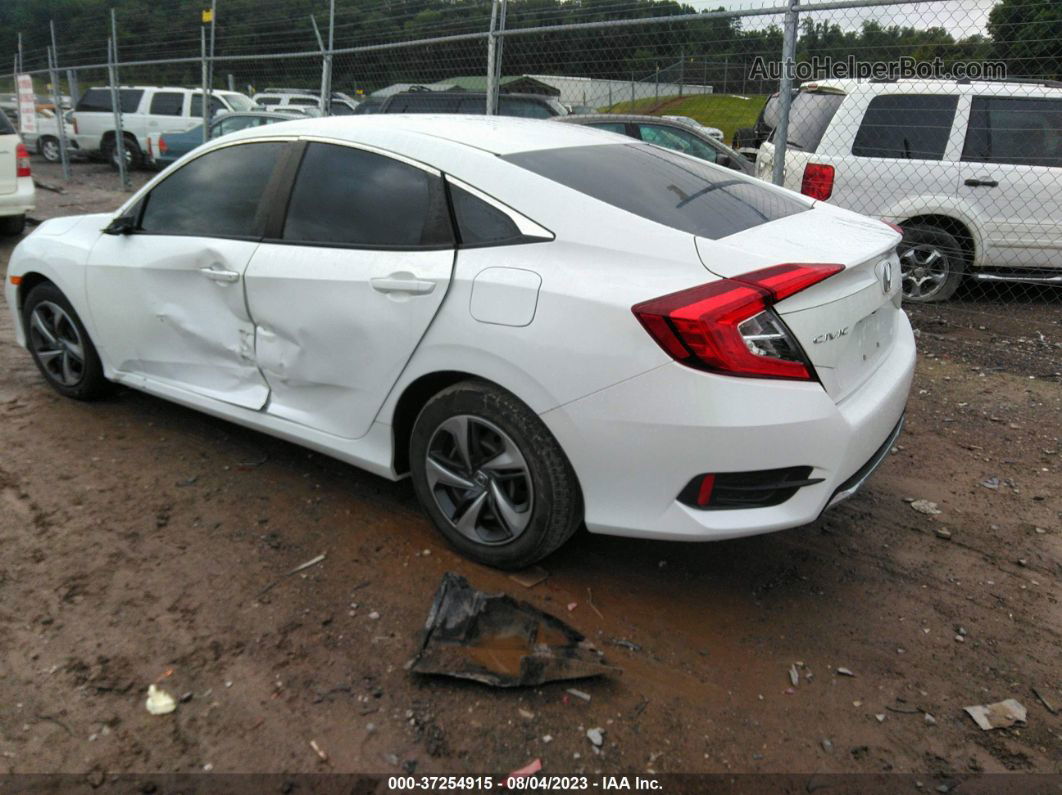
{"x":217,"y":274}
{"x":401,"y":283}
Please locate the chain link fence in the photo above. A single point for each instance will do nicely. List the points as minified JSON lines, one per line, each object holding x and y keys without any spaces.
{"x":943,"y":117}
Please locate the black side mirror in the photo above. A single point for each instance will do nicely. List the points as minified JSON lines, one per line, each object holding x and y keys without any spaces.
{"x":122,"y":225}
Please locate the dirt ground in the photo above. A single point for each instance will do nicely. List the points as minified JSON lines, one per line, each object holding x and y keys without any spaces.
{"x":138,"y":537}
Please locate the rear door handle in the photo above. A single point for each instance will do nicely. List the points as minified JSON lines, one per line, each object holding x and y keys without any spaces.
{"x":218,"y":274}
{"x":401,"y":283}
{"x":981,"y":183}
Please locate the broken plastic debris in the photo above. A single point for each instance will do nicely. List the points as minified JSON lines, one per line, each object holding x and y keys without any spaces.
{"x":571,"y":691}
{"x":527,"y":770}
{"x":159,"y":702}
{"x":496,"y":640}
{"x":997,"y":716}
{"x":531,"y":577}
{"x":845,"y":672}
{"x":596,"y":736}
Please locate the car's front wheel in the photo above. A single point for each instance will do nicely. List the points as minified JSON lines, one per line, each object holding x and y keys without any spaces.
{"x":491,"y":476}
{"x":60,"y":346}
{"x":48,"y":148}
{"x":932,"y":264}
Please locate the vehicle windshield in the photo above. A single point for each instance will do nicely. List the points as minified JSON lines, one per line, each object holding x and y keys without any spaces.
{"x":238,"y":101}
{"x":663,"y":186}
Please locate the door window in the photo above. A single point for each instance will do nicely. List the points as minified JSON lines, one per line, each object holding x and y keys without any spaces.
{"x":98,"y":100}
{"x":1015,"y":131}
{"x":229,"y":124}
{"x":906,"y":126}
{"x":679,"y":140}
{"x":348,"y":197}
{"x":216,"y":195}
{"x":197,"y":106}
{"x":167,"y":103}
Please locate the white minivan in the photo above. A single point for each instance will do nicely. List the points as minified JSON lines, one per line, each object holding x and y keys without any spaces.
{"x":145,"y":110}
{"x":972,"y":171}
{"x":16,"y":183}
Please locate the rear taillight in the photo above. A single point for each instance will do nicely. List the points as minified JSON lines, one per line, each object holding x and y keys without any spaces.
{"x":162,"y":145}
{"x":729,"y":326}
{"x":22,"y":161}
{"x":818,"y":181}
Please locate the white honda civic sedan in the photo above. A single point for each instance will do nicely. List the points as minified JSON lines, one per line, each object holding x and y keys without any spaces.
{"x":543,"y":325}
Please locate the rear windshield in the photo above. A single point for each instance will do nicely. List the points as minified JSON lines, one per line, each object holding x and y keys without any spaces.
{"x":98,"y":100}
{"x":671,"y":189}
{"x":809,"y":116}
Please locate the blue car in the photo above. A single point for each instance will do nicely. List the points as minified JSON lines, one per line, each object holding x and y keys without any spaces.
{"x":166,"y":148}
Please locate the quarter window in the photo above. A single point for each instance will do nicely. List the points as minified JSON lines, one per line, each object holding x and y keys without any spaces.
{"x":197,"y":106}
{"x":479,"y":224}
{"x":167,"y":103}
{"x":1015,"y":131}
{"x":216,"y":195}
{"x":906,"y":127}
{"x":98,"y":100}
{"x":348,"y":197}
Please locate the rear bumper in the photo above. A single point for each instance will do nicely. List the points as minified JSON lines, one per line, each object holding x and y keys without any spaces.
{"x":21,"y":200}
{"x":635,"y":445}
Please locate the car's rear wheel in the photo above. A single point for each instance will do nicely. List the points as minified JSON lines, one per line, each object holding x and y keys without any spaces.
{"x":492,"y":477}
{"x":932,"y":264}
{"x":60,"y":346}
{"x":12,"y":225}
{"x":133,"y":156}
{"x":48,"y":148}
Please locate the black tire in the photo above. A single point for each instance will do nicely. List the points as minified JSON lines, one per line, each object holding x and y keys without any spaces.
{"x":48,"y":148}
{"x":544,"y":484}
{"x":86,"y":371}
{"x":932,"y":264}
{"x":134,"y":158}
{"x":11,"y":225}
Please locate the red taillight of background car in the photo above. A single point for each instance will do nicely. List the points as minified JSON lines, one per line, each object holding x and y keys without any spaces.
{"x":818,"y":181}
{"x":729,"y":327}
{"x":22,"y":161}
{"x":162,"y":145}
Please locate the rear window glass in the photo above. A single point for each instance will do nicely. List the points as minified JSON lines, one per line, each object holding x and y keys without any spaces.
{"x":809,"y":116}
{"x":98,"y":100}
{"x":906,"y":126}
{"x":424,"y":102}
{"x":663,"y":186}
{"x":167,"y":103}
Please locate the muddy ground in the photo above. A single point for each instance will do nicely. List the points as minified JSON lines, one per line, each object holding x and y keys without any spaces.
{"x":137,"y":538}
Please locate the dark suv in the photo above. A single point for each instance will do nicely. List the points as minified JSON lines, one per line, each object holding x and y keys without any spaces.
{"x":530,"y":106}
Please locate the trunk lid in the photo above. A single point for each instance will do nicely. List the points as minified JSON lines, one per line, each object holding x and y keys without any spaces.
{"x":845,"y":323}
{"x":8,"y":182}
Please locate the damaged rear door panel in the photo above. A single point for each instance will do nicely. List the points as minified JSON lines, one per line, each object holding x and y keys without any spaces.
{"x":347,"y":284}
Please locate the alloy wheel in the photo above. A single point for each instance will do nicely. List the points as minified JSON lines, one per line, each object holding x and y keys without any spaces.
{"x":57,"y":344}
{"x":50,"y":150}
{"x":479,"y":479}
{"x":925,"y":269}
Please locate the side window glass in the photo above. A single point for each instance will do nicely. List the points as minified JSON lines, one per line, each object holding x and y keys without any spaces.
{"x":611,"y":126}
{"x":1015,"y":131}
{"x":196,"y":110}
{"x":679,"y":140}
{"x":167,"y":103}
{"x":216,"y":195}
{"x":349,"y":197}
{"x":478,"y":223}
{"x":906,"y":127}
{"x":524,"y":108}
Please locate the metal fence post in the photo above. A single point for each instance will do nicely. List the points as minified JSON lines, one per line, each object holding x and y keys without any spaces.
{"x":116,"y":108}
{"x":206,"y":104}
{"x":72,"y":84}
{"x":492,"y":56}
{"x":57,"y":100}
{"x":785,"y":92}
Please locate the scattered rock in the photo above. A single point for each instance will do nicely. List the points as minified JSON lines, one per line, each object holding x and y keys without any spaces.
{"x":578,"y":693}
{"x":845,"y":672}
{"x":880,"y":717}
{"x":930,"y":720}
{"x":529,"y":578}
{"x":596,"y":736}
{"x":827,"y":746}
{"x":942,"y":532}
{"x":794,"y":675}
{"x":926,"y":507}
{"x":159,"y":702}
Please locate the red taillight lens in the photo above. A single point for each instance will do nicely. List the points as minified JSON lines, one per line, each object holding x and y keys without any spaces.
{"x":162,"y":145}
{"x":729,"y":327}
{"x":22,"y":161}
{"x":818,"y":181}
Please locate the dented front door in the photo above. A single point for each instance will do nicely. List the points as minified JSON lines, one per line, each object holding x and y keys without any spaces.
{"x":172,"y":309}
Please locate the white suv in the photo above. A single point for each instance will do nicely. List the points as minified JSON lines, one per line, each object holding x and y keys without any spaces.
{"x":287,"y":99}
{"x":16,"y":183}
{"x":145,"y":110}
{"x":972,"y":171}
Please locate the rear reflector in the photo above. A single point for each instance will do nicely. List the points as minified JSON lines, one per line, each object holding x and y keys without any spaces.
{"x":818,"y":181}
{"x":22,"y":161}
{"x":760,"y":488}
{"x":729,"y":327}
{"x":16,"y":280}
